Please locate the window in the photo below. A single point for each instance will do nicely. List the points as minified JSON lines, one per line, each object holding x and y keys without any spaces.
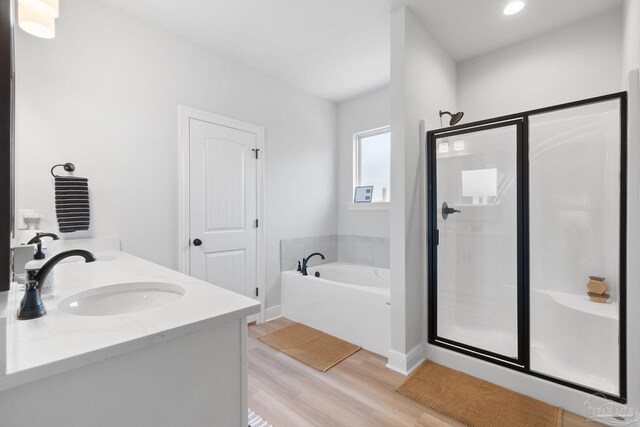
{"x":372,"y":166}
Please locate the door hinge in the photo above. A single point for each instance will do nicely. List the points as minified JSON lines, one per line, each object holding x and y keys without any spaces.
{"x":257,"y":293}
{"x":256,"y":150}
{"x":257,"y":223}
{"x":437,"y":239}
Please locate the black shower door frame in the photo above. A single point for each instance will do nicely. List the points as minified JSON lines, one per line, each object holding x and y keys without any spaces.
{"x":522,"y":362}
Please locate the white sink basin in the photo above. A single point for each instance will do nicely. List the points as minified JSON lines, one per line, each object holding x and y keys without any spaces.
{"x":121,"y":298}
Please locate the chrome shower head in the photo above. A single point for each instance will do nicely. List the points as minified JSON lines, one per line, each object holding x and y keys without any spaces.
{"x":455,"y":117}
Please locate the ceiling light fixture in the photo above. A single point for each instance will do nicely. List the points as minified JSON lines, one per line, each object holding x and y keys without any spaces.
{"x":49,"y":8}
{"x":38,"y":17}
{"x":36,"y":24}
{"x":513,"y":8}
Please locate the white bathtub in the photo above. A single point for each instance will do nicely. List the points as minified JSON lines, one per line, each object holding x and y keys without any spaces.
{"x":348,"y":301}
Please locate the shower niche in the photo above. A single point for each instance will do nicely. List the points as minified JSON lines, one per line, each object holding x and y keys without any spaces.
{"x":523,"y":209}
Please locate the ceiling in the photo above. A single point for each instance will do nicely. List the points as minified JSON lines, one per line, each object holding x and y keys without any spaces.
{"x":469,"y":28}
{"x":337,"y":49}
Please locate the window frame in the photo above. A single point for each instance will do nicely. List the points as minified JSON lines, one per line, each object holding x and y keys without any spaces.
{"x":356,"y":168}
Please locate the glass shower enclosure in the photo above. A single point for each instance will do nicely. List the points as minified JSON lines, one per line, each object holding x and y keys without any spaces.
{"x":526,"y":242}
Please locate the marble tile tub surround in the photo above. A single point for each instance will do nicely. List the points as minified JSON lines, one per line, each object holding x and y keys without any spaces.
{"x":373,"y":251}
{"x":364,"y":250}
{"x":293,"y":250}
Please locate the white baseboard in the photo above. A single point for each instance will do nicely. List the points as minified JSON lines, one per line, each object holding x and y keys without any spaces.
{"x":406,"y":363}
{"x":272,"y":313}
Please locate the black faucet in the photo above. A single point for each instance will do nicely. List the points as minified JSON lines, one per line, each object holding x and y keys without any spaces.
{"x":38,"y":241}
{"x":31,"y":306}
{"x":39,"y":236}
{"x":306,"y":260}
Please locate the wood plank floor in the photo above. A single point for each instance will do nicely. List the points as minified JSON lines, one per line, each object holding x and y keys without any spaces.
{"x":360,"y":391}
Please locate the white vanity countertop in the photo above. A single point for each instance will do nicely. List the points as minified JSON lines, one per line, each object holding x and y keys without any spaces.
{"x":59,"y":342}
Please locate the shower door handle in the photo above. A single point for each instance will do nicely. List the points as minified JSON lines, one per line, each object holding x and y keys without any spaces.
{"x":446,"y":211}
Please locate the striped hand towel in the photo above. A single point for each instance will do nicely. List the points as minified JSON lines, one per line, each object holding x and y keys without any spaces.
{"x":72,"y":203}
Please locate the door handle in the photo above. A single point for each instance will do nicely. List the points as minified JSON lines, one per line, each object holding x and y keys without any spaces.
{"x":446,"y":210}
{"x":197,"y":242}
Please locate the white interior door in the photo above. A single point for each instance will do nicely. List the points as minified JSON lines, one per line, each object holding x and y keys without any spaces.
{"x":223,"y":206}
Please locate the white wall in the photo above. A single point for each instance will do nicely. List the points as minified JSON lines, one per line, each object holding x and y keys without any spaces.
{"x":633,"y":237}
{"x":423,"y":80}
{"x":576,"y":62}
{"x":631,"y":42}
{"x":631,"y":82}
{"x":104,"y":94}
{"x":366,"y":112}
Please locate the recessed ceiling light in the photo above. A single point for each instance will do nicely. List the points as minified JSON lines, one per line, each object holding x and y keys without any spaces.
{"x":513,"y":8}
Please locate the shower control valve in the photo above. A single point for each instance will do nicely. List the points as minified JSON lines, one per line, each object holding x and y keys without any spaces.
{"x":446,"y":211}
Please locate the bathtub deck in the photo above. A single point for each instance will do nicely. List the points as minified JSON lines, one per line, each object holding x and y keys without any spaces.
{"x":358,"y":391}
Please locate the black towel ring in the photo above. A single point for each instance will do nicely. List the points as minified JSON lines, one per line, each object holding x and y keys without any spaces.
{"x":69,"y":167}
